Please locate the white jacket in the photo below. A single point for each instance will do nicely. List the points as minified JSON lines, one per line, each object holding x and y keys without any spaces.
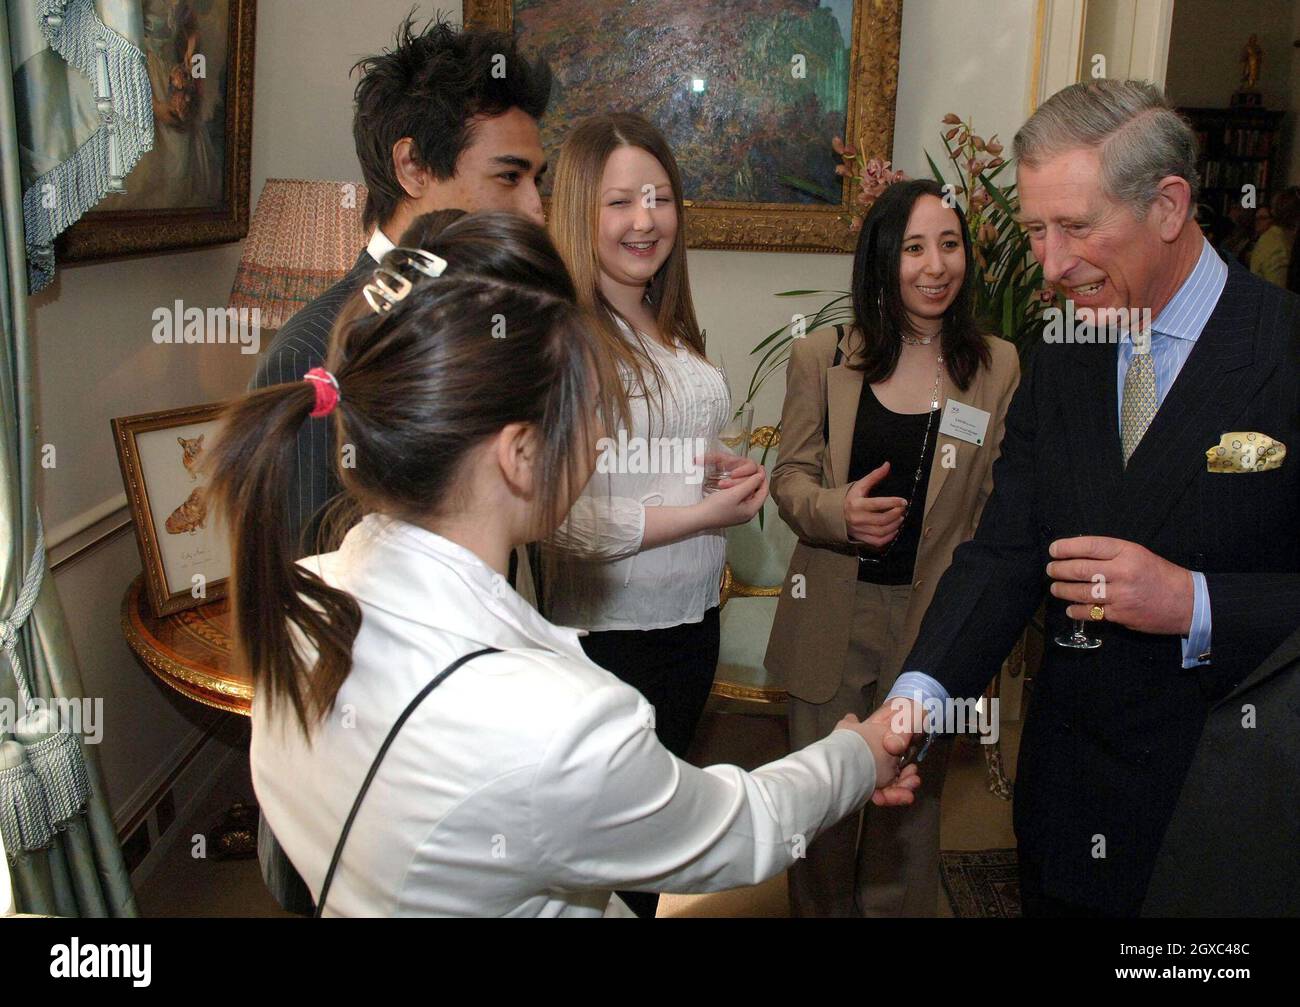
{"x":530,"y":783}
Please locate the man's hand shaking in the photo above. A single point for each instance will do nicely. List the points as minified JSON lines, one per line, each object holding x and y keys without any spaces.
{"x":888,"y":745}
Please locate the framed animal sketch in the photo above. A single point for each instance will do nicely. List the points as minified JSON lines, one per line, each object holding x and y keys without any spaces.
{"x":184,"y":549}
{"x":748,"y":93}
{"x":192,"y":188}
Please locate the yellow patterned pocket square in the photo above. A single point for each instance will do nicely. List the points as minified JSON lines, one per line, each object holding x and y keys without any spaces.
{"x":1245,"y":451}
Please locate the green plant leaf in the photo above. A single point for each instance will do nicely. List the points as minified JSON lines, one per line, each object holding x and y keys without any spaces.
{"x":934,"y":169}
{"x":812,"y":189}
{"x":1000,"y":198}
{"x":768,"y":339}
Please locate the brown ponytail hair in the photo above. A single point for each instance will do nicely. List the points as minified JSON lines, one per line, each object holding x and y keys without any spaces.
{"x":497,"y":339}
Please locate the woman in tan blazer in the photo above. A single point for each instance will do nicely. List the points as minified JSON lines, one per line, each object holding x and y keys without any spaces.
{"x":881,"y":488}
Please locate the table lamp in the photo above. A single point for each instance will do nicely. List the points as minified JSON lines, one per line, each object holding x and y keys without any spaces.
{"x":304,"y":236}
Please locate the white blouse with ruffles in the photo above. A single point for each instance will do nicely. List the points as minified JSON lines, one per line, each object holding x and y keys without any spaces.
{"x":599,"y":577}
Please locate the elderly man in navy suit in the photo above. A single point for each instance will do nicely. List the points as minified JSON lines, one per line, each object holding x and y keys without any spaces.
{"x":1144,"y":481}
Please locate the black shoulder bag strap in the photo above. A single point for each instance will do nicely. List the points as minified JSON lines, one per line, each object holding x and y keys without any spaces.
{"x":839,"y":356}
{"x":379,"y":757}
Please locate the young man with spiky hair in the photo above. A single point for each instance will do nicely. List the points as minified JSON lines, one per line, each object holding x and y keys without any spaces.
{"x":445,"y":119}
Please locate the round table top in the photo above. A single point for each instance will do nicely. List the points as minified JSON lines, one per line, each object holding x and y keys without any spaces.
{"x":189,"y":650}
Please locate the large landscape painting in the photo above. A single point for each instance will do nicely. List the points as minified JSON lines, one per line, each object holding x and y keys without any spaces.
{"x":748,"y":92}
{"x":722,"y":76}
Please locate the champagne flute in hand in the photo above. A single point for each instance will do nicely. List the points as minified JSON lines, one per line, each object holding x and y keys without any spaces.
{"x":1078,"y":639}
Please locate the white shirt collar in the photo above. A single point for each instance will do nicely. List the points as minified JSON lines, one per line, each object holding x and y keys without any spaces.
{"x":416,"y":574}
{"x":380,"y":245}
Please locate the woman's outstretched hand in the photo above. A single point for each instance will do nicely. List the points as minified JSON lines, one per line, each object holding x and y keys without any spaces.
{"x":887,"y":746}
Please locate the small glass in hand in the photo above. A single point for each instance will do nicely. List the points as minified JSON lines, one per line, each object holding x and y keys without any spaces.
{"x":1079,"y":638}
{"x":729,"y":448}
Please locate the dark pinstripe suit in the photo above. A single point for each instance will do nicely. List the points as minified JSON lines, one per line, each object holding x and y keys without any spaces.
{"x":1111,"y":732}
{"x":1230,"y":849}
{"x":296,"y":349}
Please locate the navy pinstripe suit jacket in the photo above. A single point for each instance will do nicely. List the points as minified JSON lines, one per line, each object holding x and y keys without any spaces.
{"x":298,"y":347}
{"x":1111,"y":732}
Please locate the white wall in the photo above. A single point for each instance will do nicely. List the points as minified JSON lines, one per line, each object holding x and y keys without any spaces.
{"x":95,"y":358}
{"x":1132,"y":35}
{"x":1108,"y":31}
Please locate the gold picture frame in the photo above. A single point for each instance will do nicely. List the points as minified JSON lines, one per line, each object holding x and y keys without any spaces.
{"x":105,"y":232}
{"x":869,"y":119}
{"x":184,"y":549}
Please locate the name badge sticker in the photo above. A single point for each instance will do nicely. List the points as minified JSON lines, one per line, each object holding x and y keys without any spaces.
{"x":964,"y":422}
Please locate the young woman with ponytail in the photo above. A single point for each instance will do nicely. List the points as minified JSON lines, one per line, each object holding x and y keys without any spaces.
{"x":461,"y":385}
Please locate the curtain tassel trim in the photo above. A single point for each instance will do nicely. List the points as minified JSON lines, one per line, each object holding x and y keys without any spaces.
{"x":24,"y":817}
{"x":44,"y":784}
{"x":116,"y":69}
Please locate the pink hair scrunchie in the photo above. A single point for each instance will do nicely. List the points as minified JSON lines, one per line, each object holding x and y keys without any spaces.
{"x":327,"y":391}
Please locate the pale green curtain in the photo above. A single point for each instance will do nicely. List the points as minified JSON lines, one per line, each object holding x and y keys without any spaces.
{"x":85,"y":111}
{"x":60,"y":845}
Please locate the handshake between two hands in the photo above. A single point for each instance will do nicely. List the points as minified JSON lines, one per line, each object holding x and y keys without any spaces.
{"x":889,"y":733}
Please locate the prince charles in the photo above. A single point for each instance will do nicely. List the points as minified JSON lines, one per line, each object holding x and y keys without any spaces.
{"x":1144,"y":481}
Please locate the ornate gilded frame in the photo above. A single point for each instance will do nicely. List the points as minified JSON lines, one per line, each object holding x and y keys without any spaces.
{"x":126,"y":429}
{"x":109,"y":234}
{"x":873,"y":86}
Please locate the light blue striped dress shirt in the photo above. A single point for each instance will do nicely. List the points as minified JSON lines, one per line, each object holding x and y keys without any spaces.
{"x":1174,"y":334}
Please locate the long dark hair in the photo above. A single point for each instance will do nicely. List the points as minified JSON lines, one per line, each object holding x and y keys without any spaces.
{"x":878,"y":297}
{"x":497,"y":339}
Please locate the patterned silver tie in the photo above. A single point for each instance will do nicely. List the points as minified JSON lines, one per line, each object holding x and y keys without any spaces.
{"x":1140,"y":403}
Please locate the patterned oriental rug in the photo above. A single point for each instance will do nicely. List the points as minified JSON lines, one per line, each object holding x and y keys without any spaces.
{"x":981,"y":884}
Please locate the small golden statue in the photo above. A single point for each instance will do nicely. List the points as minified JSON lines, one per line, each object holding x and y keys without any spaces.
{"x":1252,"y":60}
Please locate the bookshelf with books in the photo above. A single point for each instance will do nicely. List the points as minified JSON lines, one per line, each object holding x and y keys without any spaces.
{"x":1238,"y":146}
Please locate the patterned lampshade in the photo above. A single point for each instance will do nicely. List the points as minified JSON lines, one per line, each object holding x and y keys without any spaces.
{"x":303,"y":237}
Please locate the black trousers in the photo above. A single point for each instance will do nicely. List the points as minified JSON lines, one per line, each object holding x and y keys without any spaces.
{"x":1037,"y":904}
{"x":673,"y":669}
